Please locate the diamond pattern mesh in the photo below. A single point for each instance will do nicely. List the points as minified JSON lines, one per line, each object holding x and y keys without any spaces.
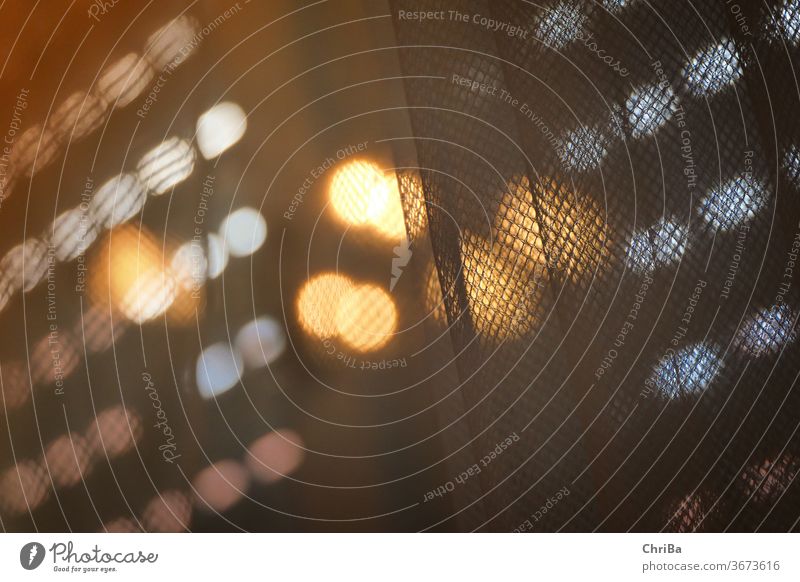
{"x":611,"y":198}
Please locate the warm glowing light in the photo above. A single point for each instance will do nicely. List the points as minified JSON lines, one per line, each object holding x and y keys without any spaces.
{"x":434,"y":299}
{"x":501,"y":287}
{"x":536,"y":235}
{"x":359,"y":192}
{"x":220,"y":486}
{"x":220,"y":128}
{"x":366,"y":318}
{"x":166,"y":165}
{"x":148,"y":295}
{"x":130,"y":271}
{"x":275,"y":455}
{"x":391,"y":222}
{"x":414,"y":205}
{"x":330,"y":305}
{"x":560,"y":233}
{"x":517,"y":231}
{"x":218,"y":369}
{"x":124,"y":80}
{"x":318,"y":303}
{"x":574,"y":231}
{"x":171,"y":45}
{"x":243,"y":232}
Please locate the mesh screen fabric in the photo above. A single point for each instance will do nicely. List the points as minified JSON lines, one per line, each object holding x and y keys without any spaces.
{"x":610,"y":191}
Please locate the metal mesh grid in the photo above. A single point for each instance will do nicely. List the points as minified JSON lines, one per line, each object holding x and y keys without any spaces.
{"x":605,"y":205}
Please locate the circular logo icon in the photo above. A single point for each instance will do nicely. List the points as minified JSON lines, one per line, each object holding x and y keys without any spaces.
{"x":31,"y":555}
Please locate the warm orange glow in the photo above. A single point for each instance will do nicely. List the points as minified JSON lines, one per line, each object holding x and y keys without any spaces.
{"x":563,"y":232}
{"x":124,"y":80}
{"x":363,"y":316}
{"x":318,"y":303}
{"x":170,"y":44}
{"x":359,"y":193}
{"x":414,"y":204}
{"x":574,"y":229}
{"x":516,"y":226}
{"x":502,"y":290}
{"x":537,"y":234}
{"x":391,"y":222}
{"x":366,"y":318}
{"x":434,"y":300}
{"x":130,"y":271}
{"x":363,"y":195}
